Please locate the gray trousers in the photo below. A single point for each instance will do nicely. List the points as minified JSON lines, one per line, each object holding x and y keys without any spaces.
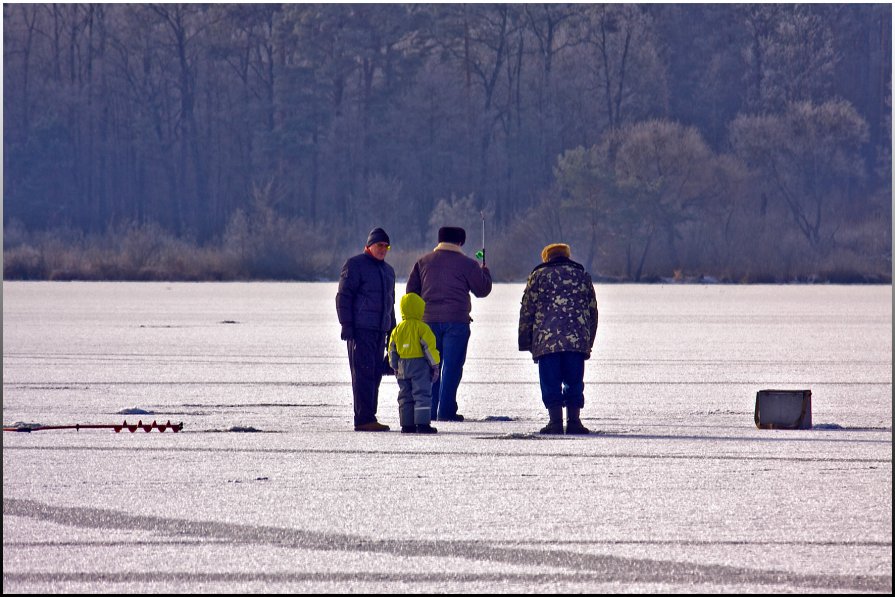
{"x":415,"y":392}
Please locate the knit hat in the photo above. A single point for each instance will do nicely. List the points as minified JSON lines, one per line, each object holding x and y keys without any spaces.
{"x":449,"y":234}
{"x":556,"y":250}
{"x":377,"y":235}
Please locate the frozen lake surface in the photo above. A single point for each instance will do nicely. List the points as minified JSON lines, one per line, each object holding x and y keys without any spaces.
{"x":676,"y":492}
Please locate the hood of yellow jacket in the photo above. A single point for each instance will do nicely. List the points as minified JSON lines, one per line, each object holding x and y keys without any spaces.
{"x":412,"y":306}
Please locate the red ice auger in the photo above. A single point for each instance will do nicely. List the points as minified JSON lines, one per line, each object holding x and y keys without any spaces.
{"x":132,"y":428}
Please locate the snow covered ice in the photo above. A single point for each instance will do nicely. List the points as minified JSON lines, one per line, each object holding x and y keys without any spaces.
{"x":677,"y":491}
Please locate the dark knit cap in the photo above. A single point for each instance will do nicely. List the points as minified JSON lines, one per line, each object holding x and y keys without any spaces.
{"x":377,"y":235}
{"x":449,"y":234}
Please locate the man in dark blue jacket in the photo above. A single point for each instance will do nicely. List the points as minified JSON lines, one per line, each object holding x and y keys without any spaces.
{"x":365,"y":304}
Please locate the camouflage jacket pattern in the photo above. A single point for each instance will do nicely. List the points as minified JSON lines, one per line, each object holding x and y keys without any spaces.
{"x":559,"y":310}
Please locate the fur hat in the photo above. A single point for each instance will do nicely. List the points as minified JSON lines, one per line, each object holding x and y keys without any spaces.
{"x":448,"y":234}
{"x":377,"y":235}
{"x":556,"y":250}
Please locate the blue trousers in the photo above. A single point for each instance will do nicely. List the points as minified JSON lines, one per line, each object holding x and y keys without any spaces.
{"x":562,"y":379}
{"x":451,"y":340}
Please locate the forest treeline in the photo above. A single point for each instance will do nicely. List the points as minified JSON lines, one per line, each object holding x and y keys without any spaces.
{"x":228,"y":141}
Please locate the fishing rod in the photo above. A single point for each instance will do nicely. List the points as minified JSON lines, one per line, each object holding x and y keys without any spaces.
{"x":481,"y":254}
{"x":118,"y":428}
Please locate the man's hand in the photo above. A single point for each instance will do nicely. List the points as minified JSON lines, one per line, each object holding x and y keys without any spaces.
{"x":347,"y":332}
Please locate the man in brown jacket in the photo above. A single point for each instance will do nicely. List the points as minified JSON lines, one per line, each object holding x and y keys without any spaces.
{"x":444,"y":278}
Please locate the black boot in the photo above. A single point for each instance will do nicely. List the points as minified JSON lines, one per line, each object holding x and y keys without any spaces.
{"x":554,"y":427}
{"x":573,"y":424}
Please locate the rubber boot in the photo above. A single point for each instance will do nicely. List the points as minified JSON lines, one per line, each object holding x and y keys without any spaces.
{"x":573,"y":422}
{"x":554,"y":427}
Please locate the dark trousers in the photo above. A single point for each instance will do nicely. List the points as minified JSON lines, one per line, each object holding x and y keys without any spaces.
{"x":365,"y":355}
{"x":562,"y":379}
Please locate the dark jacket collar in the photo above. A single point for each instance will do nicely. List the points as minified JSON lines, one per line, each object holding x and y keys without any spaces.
{"x":557,"y":261}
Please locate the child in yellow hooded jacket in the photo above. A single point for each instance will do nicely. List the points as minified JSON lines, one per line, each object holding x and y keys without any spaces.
{"x":414,"y":357}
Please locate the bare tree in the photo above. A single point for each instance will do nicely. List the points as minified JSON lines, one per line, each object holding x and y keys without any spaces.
{"x":807,"y":160}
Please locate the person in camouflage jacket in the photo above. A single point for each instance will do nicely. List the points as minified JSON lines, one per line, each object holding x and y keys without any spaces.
{"x":558,"y":325}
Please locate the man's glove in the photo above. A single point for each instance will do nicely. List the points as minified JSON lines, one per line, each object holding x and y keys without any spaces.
{"x":436,"y":373}
{"x":386,"y":368}
{"x":347,"y":332}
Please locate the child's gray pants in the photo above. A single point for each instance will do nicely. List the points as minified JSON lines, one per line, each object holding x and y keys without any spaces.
{"x":415,"y":392}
